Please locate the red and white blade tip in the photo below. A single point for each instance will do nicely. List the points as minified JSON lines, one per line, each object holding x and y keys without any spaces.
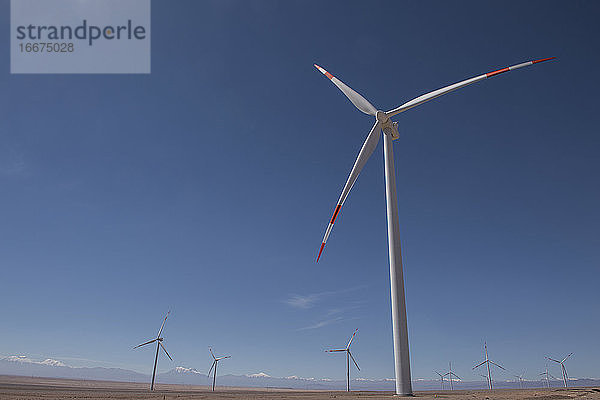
{"x":320,"y":251}
{"x":502,"y":70}
{"x":323,"y":71}
{"x":329,"y":227}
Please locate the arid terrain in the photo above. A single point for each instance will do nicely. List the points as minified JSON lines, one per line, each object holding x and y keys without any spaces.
{"x":21,"y":388}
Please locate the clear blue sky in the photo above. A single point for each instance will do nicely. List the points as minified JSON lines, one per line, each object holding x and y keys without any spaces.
{"x":205,"y":188}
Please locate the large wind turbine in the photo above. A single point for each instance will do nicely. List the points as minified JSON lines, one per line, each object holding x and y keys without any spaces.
{"x":384,"y":123}
{"x":348,"y":357}
{"x":451,"y":374}
{"x":159,"y":345}
{"x":562,"y":367}
{"x":214,"y":364}
{"x":488,"y":362}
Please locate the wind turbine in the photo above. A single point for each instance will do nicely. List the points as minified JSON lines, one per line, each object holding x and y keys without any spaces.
{"x":450,"y":374}
{"x":520,"y":378}
{"x":562,"y":367}
{"x":488,"y":362}
{"x":159,"y":345}
{"x":214,"y":364}
{"x":384,"y":123}
{"x":348,"y":357}
{"x":441,"y":378}
{"x":547,"y":376}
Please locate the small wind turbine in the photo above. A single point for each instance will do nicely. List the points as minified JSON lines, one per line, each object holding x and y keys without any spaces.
{"x":520,"y":378}
{"x":348,"y":357}
{"x":451,"y":374}
{"x":562,"y":367}
{"x":488,"y":362}
{"x":547,"y":376}
{"x":214,"y":364}
{"x":159,"y":345}
{"x":441,"y":379}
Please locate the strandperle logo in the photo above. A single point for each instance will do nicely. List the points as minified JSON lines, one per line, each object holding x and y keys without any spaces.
{"x":80,"y":36}
{"x":85,"y":31}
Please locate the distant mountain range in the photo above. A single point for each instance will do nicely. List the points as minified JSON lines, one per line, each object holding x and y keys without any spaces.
{"x":24,"y":366}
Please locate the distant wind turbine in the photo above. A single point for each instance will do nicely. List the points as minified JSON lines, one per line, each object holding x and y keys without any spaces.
{"x":488,"y":362}
{"x":547,"y":376}
{"x":159,"y":345}
{"x":562,"y":367}
{"x":451,"y":374}
{"x":520,"y":378}
{"x":348,"y":357}
{"x":214,"y":364}
{"x":441,"y":379}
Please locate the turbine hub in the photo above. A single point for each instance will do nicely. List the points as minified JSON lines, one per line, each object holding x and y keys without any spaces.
{"x":381,"y":116}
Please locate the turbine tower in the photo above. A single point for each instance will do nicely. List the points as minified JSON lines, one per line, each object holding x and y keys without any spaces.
{"x":441,"y":378}
{"x":451,"y":374}
{"x":159,"y":345}
{"x":348,"y":357}
{"x":214,"y":364}
{"x":520,"y":378}
{"x":488,"y":362}
{"x":384,"y":123}
{"x":562,"y":367}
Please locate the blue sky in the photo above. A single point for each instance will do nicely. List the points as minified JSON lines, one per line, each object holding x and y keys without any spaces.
{"x":206,"y":186}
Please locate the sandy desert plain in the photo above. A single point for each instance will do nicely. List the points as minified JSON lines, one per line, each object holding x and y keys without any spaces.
{"x":21,"y":388}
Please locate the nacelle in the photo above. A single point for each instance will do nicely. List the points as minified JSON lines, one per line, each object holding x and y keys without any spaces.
{"x":392,"y":130}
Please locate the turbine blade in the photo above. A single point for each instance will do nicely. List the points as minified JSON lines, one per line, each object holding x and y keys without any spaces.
{"x":565,"y":359}
{"x":163,"y":324}
{"x":499,"y":366}
{"x":552,"y":359}
{"x":351,"y":339}
{"x":211,"y":367}
{"x":334,"y":350}
{"x":165,"y":350}
{"x":365,"y":152}
{"x":222,"y":358}
{"x":359,"y":102}
{"x":480,"y":364}
{"x":456,"y":376}
{"x":143,"y":344}
{"x":447,"y":89}
{"x":211,"y":353}
{"x":353,"y":360}
{"x":438,"y":374}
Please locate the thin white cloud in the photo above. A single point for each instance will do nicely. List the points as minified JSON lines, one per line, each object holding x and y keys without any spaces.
{"x":309,"y":300}
{"x":323,"y":323}
{"x":299,"y":301}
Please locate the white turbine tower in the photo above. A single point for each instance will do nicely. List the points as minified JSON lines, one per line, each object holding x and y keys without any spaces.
{"x":441,"y":378}
{"x":384,"y":123}
{"x":451,"y":374}
{"x":488,"y":362}
{"x":214,"y":364}
{"x":159,"y":345}
{"x":562,"y":367}
{"x":348,"y":357}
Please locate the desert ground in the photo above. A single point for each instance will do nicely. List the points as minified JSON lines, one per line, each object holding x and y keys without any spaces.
{"x":21,"y":388}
